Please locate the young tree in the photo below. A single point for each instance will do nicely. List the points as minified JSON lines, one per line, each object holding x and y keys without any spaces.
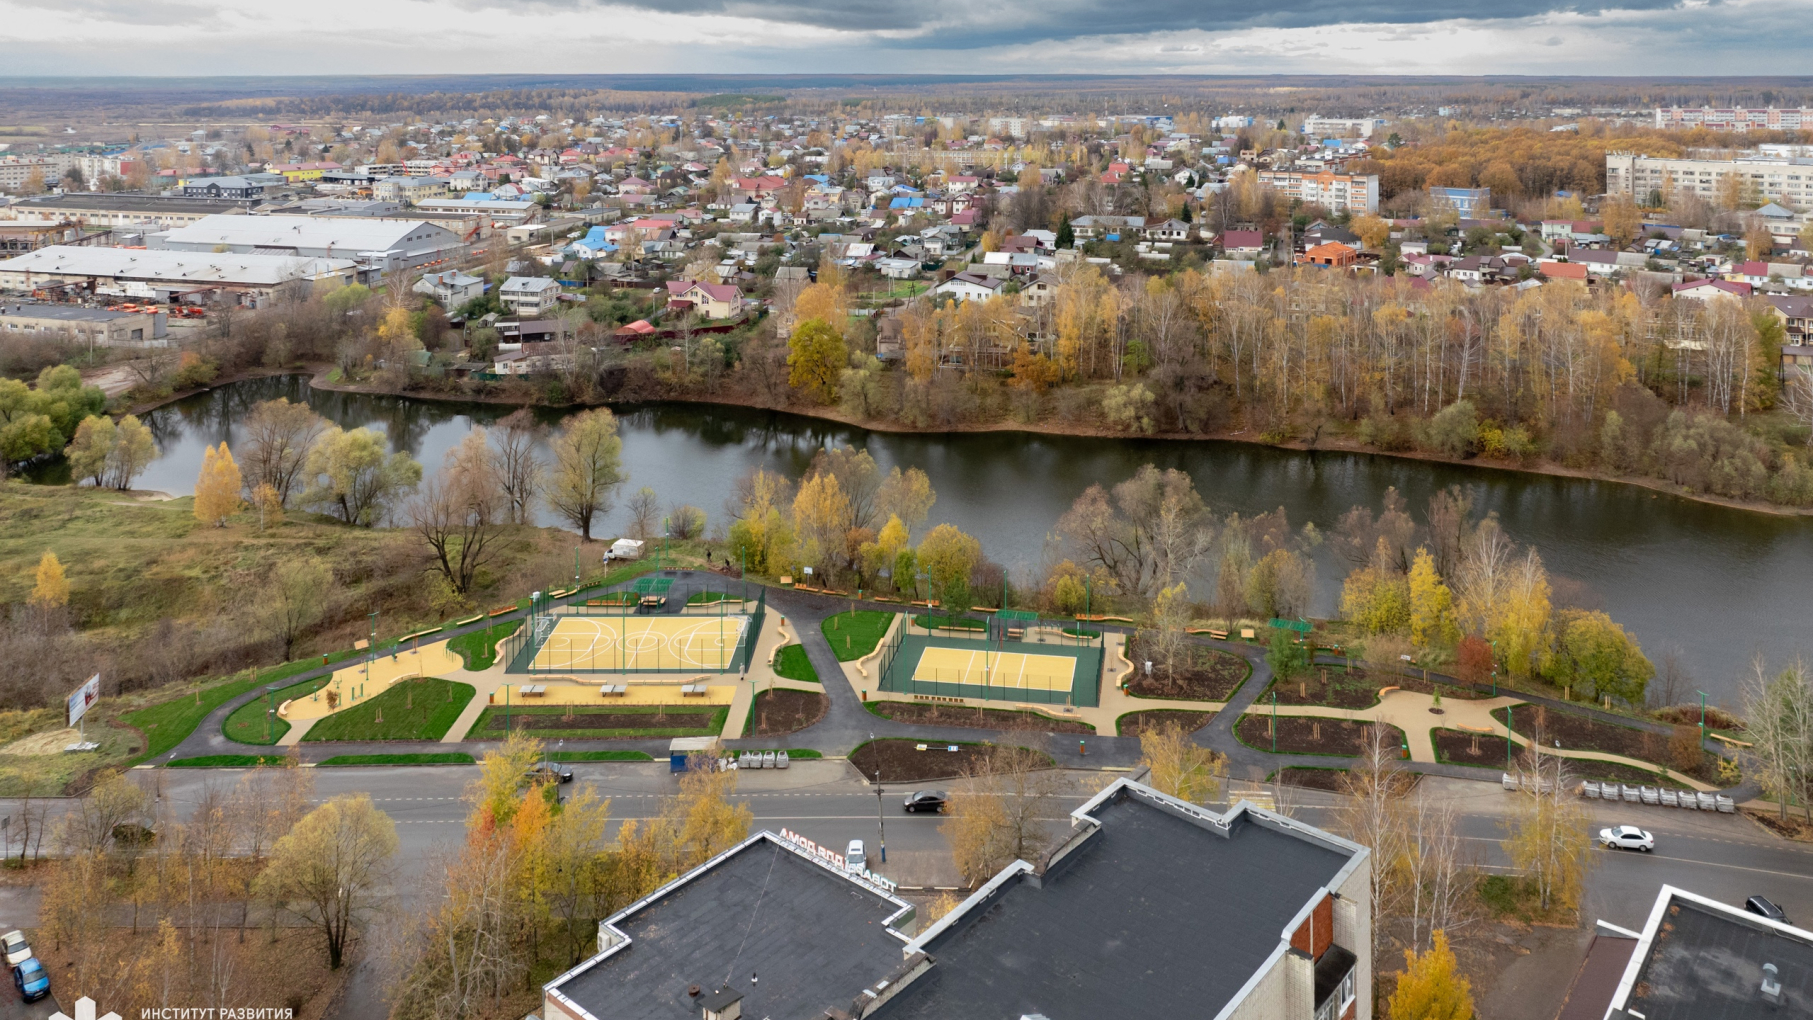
{"x":947,"y":556}
{"x":587,"y":467}
{"x":217,"y":487}
{"x":685,"y":521}
{"x":461,"y":511}
{"x":89,"y":451}
{"x":1372,"y":814}
{"x":355,"y":479}
{"x":278,"y":438}
{"x":1548,"y":840}
{"x":1779,"y":712}
{"x":294,"y":599}
{"x":644,"y":512}
{"x":815,"y":359}
{"x":519,"y":470}
{"x":1432,"y":987}
{"x":268,"y":504}
{"x":329,"y":870}
{"x":1599,"y":658}
{"x":1167,"y":638}
{"x":821,"y":515}
{"x":1179,"y":766}
{"x":50,"y":589}
{"x":1431,"y":604}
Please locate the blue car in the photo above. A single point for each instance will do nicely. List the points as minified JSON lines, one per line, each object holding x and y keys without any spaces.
{"x":31,"y":979}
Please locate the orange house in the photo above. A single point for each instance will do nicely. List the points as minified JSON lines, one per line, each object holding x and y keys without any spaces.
{"x":1334,"y":254}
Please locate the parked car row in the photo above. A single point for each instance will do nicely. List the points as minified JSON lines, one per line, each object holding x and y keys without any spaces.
{"x":29,"y":975}
{"x":1686,"y":799}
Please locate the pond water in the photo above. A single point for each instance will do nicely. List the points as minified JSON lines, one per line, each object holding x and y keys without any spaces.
{"x":1718,"y":584}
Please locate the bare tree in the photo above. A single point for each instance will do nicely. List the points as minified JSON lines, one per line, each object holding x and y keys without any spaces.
{"x":278,"y":437}
{"x":460,"y":511}
{"x":519,"y":470}
{"x":1440,"y":882}
{"x":645,"y":513}
{"x":294,"y":599}
{"x":1372,"y":814}
{"x":1797,"y":398}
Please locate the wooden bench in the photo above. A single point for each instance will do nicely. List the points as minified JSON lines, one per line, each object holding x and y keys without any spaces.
{"x":1016,"y":633}
{"x":1219,"y":635}
{"x":613,"y":690}
{"x":361,"y":645}
{"x":501,"y":610}
{"x":654,"y":601}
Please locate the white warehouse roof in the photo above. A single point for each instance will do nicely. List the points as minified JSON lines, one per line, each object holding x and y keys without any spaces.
{"x":171,"y":266}
{"x":310,"y":232}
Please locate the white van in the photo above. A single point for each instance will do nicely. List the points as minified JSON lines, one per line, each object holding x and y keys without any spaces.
{"x":855,"y":860}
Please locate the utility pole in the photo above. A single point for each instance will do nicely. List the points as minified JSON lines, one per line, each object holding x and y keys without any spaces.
{"x":881,"y":822}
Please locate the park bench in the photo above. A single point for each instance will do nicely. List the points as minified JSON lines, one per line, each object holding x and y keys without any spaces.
{"x":532,"y":690}
{"x":694,"y":690}
{"x":613,"y":690}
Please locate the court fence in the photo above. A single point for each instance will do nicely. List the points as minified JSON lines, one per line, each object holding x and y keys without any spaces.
{"x":521,"y":650}
{"x":900,"y":672}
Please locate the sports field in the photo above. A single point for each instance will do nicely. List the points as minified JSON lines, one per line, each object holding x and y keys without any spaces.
{"x":981,"y":667}
{"x":639,"y":644}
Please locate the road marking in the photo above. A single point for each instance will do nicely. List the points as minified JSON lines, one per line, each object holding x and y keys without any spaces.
{"x":1715,"y":864}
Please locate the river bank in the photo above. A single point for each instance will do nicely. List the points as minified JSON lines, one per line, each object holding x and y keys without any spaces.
{"x":1335,"y":444}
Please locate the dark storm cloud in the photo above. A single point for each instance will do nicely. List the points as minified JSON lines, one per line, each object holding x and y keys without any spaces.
{"x":969,"y":26}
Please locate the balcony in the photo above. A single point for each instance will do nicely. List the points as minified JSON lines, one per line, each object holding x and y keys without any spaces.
{"x":1334,"y":983}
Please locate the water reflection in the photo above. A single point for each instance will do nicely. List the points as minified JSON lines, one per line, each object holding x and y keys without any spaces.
{"x":1719,"y":583}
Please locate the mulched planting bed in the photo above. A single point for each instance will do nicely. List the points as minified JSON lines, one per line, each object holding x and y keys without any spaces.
{"x":1313,"y":779}
{"x":550,"y":721}
{"x":900,"y":763}
{"x":1580,"y":733}
{"x":934,"y":714}
{"x":1134,"y":723}
{"x":1328,"y":685}
{"x":784,"y":711}
{"x":1603,"y":771}
{"x":1456,"y":747}
{"x":1214,"y":675}
{"x":1296,"y":734}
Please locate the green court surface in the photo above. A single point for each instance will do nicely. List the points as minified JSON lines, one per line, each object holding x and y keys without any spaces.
{"x":1027,"y":672}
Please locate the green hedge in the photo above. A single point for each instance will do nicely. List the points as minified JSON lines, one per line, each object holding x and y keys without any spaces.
{"x":217,"y":761}
{"x":432,"y":758}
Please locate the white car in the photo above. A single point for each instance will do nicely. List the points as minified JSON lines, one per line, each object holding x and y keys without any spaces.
{"x":854,"y":857}
{"x":17,"y":949}
{"x":1627,"y":837}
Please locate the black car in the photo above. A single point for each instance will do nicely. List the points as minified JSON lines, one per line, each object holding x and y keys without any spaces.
{"x":1763,"y":908}
{"x":927,"y":800}
{"x":541,"y":775}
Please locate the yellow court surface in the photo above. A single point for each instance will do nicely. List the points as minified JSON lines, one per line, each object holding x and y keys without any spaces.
{"x":633,"y":644}
{"x":996,"y":669}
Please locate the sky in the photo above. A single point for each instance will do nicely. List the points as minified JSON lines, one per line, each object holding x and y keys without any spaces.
{"x":239,"y":37}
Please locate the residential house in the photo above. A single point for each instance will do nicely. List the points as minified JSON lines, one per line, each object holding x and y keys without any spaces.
{"x":542,"y":358}
{"x":450,"y":289}
{"x":529,"y":296}
{"x":1712,"y":290}
{"x":1243,"y":244}
{"x":1795,"y":313}
{"x":1166,"y":230}
{"x":970,"y":286}
{"x":1333,"y":255}
{"x":710,"y":300}
{"x":897,"y":268}
{"x":1551,"y":269}
{"x":1280,"y":907}
{"x":226,"y":187}
{"x":1039,"y":290}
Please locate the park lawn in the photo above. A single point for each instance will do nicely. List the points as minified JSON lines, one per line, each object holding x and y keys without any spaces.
{"x":803,"y":752}
{"x":479,"y":648}
{"x":246,"y":724}
{"x":600,"y":756}
{"x":854,"y":635}
{"x":226,"y":761}
{"x":424,"y":758}
{"x":482,"y":730}
{"x":928,"y":622}
{"x":410,"y":709}
{"x":791,"y":662}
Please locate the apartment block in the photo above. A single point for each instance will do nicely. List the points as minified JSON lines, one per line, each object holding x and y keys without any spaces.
{"x":1356,"y":193}
{"x":1775,"y":178}
{"x":1733,"y":119}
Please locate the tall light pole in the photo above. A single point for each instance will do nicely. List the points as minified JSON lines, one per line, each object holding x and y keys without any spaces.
{"x":881,"y":823}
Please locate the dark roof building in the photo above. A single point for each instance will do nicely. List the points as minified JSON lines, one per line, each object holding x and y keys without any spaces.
{"x":1150,"y":907}
{"x":1696,"y":959}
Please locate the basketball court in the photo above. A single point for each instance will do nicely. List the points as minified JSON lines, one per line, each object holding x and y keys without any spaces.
{"x":637,"y":644}
{"x":983,"y":668}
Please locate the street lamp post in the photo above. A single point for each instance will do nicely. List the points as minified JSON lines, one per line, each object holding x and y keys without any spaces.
{"x":881,"y":823}
{"x":1702,"y":695}
{"x":1274,"y":722}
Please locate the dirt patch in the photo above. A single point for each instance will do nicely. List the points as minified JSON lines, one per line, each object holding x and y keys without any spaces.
{"x":934,"y":714}
{"x":595,"y":721}
{"x":784,"y":711}
{"x":1306,"y":735}
{"x":1793,"y":827}
{"x":900,"y":762}
{"x":1210,"y":675}
{"x":1418,"y":685}
{"x":52,"y":742}
{"x":1462,"y":748}
{"x":1134,"y":723}
{"x":1603,"y":771}
{"x":1580,"y":733}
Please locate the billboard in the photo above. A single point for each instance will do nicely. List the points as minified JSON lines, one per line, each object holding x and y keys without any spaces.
{"x":83,"y":697}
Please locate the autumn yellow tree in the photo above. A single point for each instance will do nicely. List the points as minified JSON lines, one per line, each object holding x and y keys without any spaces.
{"x":52,"y":588}
{"x":1180,"y":766}
{"x":816,"y":355}
{"x":1431,"y":604}
{"x":217,"y":487}
{"x":1623,"y":220}
{"x":1431,"y":986}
